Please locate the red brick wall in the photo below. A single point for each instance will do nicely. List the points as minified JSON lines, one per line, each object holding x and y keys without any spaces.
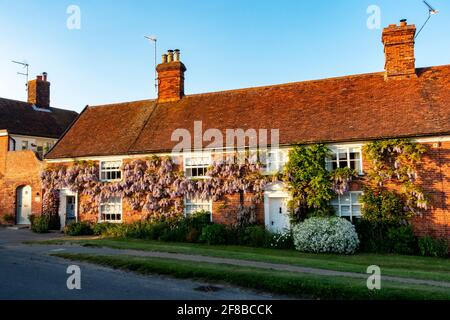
{"x":170,"y":81}
{"x":225,"y":210}
{"x":434,"y":178}
{"x":39,"y":93}
{"x":18,"y":168}
{"x":399,"y":51}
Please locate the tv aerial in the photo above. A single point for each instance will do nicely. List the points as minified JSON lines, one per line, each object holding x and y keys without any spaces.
{"x":154,"y":40}
{"x":26,"y":74}
{"x":431,"y":12}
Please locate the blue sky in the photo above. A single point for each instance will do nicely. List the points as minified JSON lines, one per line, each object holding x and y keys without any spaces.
{"x":225,"y":44}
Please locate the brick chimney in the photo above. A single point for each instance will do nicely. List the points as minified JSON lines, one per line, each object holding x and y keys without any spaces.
{"x":170,"y":77}
{"x":39,"y":91}
{"x":399,"y":51}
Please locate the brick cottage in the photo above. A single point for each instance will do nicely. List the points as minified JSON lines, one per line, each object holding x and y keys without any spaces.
{"x":345,"y":113}
{"x":27,"y":131}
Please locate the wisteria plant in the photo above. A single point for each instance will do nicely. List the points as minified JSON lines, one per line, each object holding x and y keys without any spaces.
{"x":396,"y":162}
{"x":155,"y":185}
{"x":341,"y":179}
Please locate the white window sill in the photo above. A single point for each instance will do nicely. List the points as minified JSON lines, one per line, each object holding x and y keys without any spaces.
{"x":116,"y":180}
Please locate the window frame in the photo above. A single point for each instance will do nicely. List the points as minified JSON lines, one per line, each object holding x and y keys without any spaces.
{"x":335,"y":150}
{"x":209,"y":203}
{"x":351,"y":205}
{"x":102,"y":203}
{"x":100,"y":171}
{"x":196,"y":155}
{"x":26,"y":144}
{"x":280,"y":162}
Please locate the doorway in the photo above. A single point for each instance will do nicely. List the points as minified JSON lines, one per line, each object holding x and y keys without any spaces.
{"x":276,"y":207}
{"x":23,"y":210}
{"x":278,"y":215}
{"x":68,"y":207}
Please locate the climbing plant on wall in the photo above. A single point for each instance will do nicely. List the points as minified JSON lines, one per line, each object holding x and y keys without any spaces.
{"x":155,"y":185}
{"x":50,"y":202}
{"x":311,"y":185}
{"x":393,"y":163}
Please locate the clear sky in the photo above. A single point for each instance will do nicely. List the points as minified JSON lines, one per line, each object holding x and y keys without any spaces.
{"x":225,"y":44}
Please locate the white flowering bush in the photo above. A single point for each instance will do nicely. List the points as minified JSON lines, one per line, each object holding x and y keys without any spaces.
{"x":326,"y":235}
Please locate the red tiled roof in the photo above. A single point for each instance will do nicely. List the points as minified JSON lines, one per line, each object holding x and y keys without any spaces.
{"x":19,"y":117}
{"x":352,"y":108}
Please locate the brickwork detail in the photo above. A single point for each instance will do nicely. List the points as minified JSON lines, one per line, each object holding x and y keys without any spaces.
{"x":17,"y":169}
{"x":399,"y":51}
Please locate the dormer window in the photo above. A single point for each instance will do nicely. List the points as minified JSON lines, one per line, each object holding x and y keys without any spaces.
{"x":110,"y":170}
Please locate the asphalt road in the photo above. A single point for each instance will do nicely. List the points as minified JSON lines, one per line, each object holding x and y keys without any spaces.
{"x":28,"y":272}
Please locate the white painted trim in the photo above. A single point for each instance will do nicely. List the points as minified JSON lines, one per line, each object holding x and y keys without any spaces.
{"x":63,"y":194}
{"x":339,"y":197}
{"x":335,"y":148}
{"x":445,"y":138}
{"x":210,"y":203}
{"x":433,"y":139}
{"x":32,"y":137}
{"x":100,"y":170}
{"x":115,"y":221}
{"x":141,"y":155}
{"x":204,"y":154}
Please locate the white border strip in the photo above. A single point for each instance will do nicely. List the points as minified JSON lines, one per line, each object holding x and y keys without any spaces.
{"x":176,"y":154}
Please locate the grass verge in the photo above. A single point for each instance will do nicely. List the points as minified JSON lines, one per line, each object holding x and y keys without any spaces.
{"x":299,"y":285}
{"x":394,"y":265}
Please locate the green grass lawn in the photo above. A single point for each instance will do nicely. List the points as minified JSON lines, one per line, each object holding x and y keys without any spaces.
{"x":393,"y":265}
{"x":295,"y":284}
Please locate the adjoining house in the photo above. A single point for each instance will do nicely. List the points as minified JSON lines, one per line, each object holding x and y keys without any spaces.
{"x":28,"y":130}
{"x":345,"y":113}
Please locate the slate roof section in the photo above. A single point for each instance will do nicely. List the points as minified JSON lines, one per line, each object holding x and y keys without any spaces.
{"x":19,"y":117}
{"x":351,"y":108}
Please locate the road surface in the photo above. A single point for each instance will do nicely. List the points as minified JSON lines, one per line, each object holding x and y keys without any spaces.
{"x":28,"y":272}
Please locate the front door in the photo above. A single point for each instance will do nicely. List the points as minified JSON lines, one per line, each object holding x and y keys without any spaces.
{"x":278,"y":215}
{"x":23,"y":205}
{"x":70,"y":209}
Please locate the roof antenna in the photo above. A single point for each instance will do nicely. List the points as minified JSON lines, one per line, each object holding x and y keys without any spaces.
{"x":26,"y":74}
{"x":154,"y":39}
{"x":431,"y":12}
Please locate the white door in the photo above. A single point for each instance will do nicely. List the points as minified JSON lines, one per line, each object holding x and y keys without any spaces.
{"x":278,"y":215}
{"x":23,"y":205}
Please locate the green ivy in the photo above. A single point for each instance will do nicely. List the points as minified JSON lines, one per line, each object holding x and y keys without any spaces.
{"x":382,"y":206}
{"x":309,"y":182}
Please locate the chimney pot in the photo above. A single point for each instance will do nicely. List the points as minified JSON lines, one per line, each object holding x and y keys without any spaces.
{"x":44,"y":75}
{"x":164,"y":58}
{"x":39,"y":77}
{"x":169,"y":56}
{"x":403,"y":22}
{"x":176,"y":55}
{"x":171,"y":77}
